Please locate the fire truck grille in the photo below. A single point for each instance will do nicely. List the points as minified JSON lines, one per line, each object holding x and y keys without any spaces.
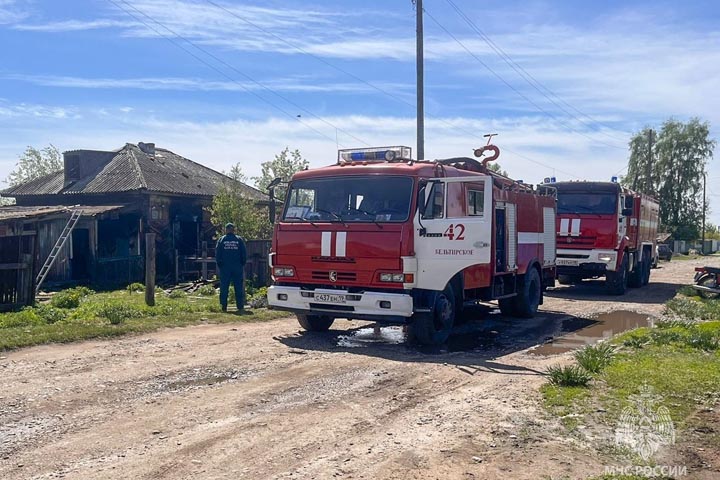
{"x":341,"y":276}
{"x":583,"y":241}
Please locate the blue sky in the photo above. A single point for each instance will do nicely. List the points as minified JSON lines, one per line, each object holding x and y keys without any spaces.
{"x":99,"y":73}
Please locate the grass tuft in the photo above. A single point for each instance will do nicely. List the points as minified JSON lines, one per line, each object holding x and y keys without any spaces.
{"x":568,"y":376}
{"x":594,"y":358}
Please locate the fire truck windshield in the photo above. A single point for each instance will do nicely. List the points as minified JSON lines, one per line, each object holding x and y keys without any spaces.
{"x":592,"y":203}
{"x":349,"y":199}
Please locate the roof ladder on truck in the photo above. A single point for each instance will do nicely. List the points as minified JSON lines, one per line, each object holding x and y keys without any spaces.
{"x":74,"y":218}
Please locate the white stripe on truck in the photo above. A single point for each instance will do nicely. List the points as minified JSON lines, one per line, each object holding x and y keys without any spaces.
{"x":340,"y":244}
{"x":325,"y":243}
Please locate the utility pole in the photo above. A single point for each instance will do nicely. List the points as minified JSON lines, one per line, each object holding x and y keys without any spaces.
{"x":702,"y":249}
{"x":648,"y":172}
{"x":419,"y":59}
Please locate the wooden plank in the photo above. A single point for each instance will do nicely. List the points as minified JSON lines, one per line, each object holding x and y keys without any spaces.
{"x":14,"y":266}
{"x":150,"y":269}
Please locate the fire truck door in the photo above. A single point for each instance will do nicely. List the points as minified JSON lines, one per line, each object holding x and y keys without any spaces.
{"x":453,"y":229}
{"x":623,"y":221}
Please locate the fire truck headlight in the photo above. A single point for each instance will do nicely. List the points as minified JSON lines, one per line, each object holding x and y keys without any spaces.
{"x":283,"y":271}
{"x":394,"y":277}
{"x":282,"y":296}
{"x":607,"y":258}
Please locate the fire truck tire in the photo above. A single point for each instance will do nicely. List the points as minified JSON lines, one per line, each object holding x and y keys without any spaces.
{"x":315,"y":323}
{"x":530,"y":295}
{"x":635,"y":278}
{"x":435,"y":328}
{"x":617,"y":282}
{"x":646,"y":271}
{"x":507,"y":306}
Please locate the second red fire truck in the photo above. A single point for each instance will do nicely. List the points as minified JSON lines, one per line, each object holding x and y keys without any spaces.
{"x":379,"y":236}
{"x":605,"y":230}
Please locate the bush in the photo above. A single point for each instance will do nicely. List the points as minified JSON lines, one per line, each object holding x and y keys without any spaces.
{"x":259,"y":299}
{"x":595,"y":358}
{"x":51,"y":314}
{"x":177,"y":294}
{"x":207,"y":291}
{"x":569,"y":376}
{"x":636,"y":341}
{"x":70,"y":298}
{"x":703,"y":340}
{"x":136,"y":287}
{"x":685,"y":308}
{"x":24,"y":318}
{"x":117,"y":313}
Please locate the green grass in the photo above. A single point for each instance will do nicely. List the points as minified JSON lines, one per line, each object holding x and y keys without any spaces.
{"x":568,"y":376}
{"x":679,"y":358}
{"x":113,"y":314}
{"x":594,"y":358}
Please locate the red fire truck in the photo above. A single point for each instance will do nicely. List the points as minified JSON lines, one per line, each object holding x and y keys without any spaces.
{"x":606,"y":230}
{"x":381,"y":237}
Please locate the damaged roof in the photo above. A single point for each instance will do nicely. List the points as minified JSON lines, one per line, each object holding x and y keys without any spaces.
{"x":133,"y":169}
{"x":15,"y":212}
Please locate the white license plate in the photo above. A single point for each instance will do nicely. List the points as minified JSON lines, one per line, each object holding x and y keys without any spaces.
{"x":329,"y":298}
{"x":566,"y":262}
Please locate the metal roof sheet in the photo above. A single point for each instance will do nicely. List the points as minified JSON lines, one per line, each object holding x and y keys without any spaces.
{"x":132,"y":169}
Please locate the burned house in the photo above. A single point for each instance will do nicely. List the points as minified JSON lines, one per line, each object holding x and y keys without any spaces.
{"x":121,"y":195}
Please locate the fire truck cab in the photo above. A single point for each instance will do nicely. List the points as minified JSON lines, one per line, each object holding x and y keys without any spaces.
{"x":605,"y":230}
{"x":381,"y":237}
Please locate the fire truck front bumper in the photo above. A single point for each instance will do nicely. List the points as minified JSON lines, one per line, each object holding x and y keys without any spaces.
{"x":572,"y":261}
{"x":374,"y":306}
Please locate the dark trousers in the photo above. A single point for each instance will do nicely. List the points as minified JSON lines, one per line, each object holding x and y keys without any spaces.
{"x":235,"y":276}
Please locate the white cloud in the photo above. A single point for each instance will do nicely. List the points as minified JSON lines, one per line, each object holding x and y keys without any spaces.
{"x":221,"y":144}
{"x":25,"y":110}
{"x":294,"y":84}
{"x":11,"y":12}
{"x":73,"y":25}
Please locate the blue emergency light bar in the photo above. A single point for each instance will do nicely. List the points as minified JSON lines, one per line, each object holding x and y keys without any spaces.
{"x":377,"y":154}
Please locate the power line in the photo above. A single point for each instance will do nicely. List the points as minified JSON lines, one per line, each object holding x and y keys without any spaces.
{"x":512,"y":87}
{"x":221,"y":61}
{"x":213,"y":67}
{"x":310,"y":54}
{"x":529,"y":78}
{"x":360,"y":79}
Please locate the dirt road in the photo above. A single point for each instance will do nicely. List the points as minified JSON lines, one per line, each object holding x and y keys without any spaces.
{"x":266,"y":401}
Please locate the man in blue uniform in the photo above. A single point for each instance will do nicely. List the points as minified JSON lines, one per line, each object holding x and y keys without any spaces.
{"x":231,"y":256}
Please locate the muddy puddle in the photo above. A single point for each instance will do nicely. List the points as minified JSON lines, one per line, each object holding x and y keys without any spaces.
{"x":362,"y":337}
{"x":575,"y":335}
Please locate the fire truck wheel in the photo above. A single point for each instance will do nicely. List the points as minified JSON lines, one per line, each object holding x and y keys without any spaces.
{"x":646,"y":271}
{"x":507,"y":306}
{"x":435,"y":328}
{"x":617,"y":282}
{"x":529,"y":296}
{"x":635,"y":278}
{"x":315,"y":323}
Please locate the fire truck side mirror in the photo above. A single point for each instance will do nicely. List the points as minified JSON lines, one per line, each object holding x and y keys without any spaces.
{"x":627,"y":212}
{"x":629,"y":202}
{"x":272,"y":206}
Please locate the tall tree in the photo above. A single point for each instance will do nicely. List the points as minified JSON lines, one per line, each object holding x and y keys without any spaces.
{"x":230,"y":206}
{"x":678,"y":157}
{"x":34,"y":163}
{"x":284,"y":166}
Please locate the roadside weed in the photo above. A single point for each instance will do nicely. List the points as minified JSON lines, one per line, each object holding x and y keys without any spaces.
{"x":594,"y":358}
{"x":568,"y":376}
